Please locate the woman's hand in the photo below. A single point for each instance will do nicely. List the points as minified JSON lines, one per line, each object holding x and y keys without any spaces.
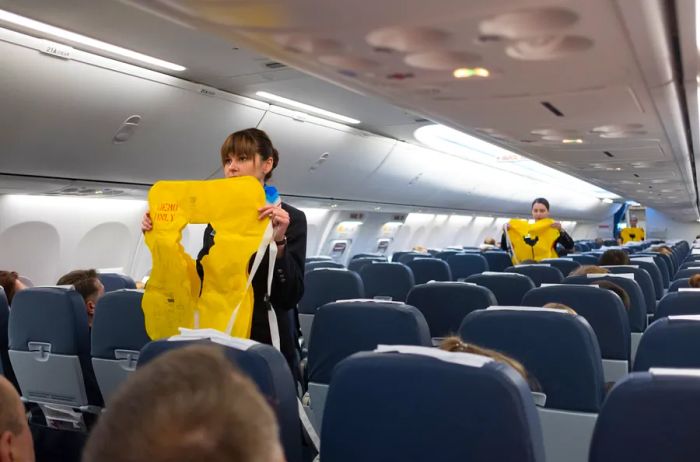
{"x":556,"y":225}
{"x":279,"y":218}
{"x":146,"y":223}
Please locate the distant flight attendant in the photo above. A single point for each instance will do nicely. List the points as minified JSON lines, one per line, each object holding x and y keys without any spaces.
{"x":540,"y":211}
{"x":250,"y":153}
{"x":632,"y":233}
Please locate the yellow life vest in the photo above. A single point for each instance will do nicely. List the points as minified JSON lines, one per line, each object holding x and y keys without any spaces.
{"x":532,"y":241}
{"x":631,"y":235}
{"x":172,"y":298}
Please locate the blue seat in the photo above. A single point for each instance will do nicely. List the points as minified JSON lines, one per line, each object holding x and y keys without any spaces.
{"x":326,"y":285}
{"x":478,"y":412}
{"x":654,"y":274}
{"x":584,"y":259}
{"x":464,"y":265}
{"x":357,"y":264}
{"x":310,"y":266}
{"x":268,"y":369}
{"x":540,"y":274}
{"x":649,"y":417}
{"x":393,"y":280}
{"x":671,"y":342}
{"x":637,"y":312}
{"x":410,"y":256}
{"x":562,"y":264}
{"x":678,"y":303}
{"x":375,"y":256}
{"x":602,"y":309}
{"x":442,"y":255}
{"x":508,"y":288}
{"x":558,"y":349}
{"x":644,"y":281}
{"x":429,"y":269}
{"x":115,"y":281}
{"x":50,"y":350}
{"x":682,"y":283}
{"x":686,"y":273}
{"x":690,"y":264}
{"x":343,"y":328}
{"x":5,"y":365}
{"x":661,"y":264}
{"x":118,"y":334}
{"x":316,"y":258}
{"x":498,"y":260}
{"x":445,"y":304}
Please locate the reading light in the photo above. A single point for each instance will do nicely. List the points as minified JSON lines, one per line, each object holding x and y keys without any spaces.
{"x":12,"y":18}
{"x":466,"y":72}
{"x":572,"y":141}
{"x":306,"y":107}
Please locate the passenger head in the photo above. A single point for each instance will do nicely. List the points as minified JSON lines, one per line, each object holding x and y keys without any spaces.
{"x":614,"y":257}
{"x":633,"y":221}
{"x":9,"y":280}
{"x":599,"y":241}
{"x":188,"y":405}
{"x":540,"y":208}
{"x":490,"y":241}
{"x":249,"y":152}
{"x":15,"y":437}
{"x":588,"y":269}
{"x":455,"y":344}
{"x":619,"y":291}
{"x":560,"y":306}
{"x":694,"y":281}
{"x":88,"y":285}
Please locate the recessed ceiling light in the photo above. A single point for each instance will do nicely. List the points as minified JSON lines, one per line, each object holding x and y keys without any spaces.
{"x":607,"y":201}
{"x":572,"y":141}
{"x":334,"y":206}
{"x":467,"y":72}
{"x":306,"y":107}
{"x":47,"y":29}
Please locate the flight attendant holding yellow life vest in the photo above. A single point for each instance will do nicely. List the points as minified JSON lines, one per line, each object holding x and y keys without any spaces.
{"x":535,"y":241}
{"x":632,"y":233}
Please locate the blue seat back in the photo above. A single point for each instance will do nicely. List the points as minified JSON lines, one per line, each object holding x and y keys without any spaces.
{"x":326,"y":285}
{"x":464,"y":265}
{"x":686,"y":273}
{"x":357,"y":264}
{"x":445,"y":304}
{"x":558,"y":349}
{"x":5,"y":365}
{"x":508,"y":288}
{"x":539,"y":274}
{"x":393,"y":280}
{"x":644,"y":281}
{"x":690,"y":264}
{"x":344,"y":328}
{"x":269,"y":370}
{"x":678,"y":303}
{"x":682,"y":283}
{"x":115,"y":281}
{"x":563,"y":265}
{"x":661,"y":264}
{"x":374,"y":256}
{"x":429,"y":269}
{"x":310,"y":266}
{"x":410,"y":256}
{"x":654,"y":273}
{"x":584,"y":259}
{"x":637,"y":312}
{"x":649,"y":417}
{"x":670,"y":342}
{"x":52,"y":319}
{"x":316,"y":258}
{"x":442,"y":255}
{"x":370,"y":393}
{"x":602,"y":309}
{"x":497,"y":260}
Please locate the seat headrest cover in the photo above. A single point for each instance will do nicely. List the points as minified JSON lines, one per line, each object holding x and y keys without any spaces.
{"x":465,"y":359}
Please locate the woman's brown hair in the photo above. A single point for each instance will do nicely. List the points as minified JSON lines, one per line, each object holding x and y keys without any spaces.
{"x":455,"y":344}
{"x":250,"y":142}
{"x":8,"y":281}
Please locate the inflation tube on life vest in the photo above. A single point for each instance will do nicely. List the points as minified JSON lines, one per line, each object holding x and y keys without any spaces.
{"x":172,"y":298}
{"x":532,"y":241}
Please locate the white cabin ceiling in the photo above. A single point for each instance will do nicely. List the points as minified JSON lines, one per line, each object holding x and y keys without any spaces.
{"x":609,"y":77}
